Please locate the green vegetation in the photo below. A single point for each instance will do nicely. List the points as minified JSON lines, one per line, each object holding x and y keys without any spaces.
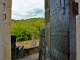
{"x":26,"y":29}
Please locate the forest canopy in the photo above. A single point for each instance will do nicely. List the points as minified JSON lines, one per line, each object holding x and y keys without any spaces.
{"x":26,"y":29}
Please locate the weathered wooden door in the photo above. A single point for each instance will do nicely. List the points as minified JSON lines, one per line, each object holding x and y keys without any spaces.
{"x":63,"y":29}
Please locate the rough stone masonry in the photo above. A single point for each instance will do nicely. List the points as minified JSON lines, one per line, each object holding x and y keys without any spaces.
{"x":5,"y":24}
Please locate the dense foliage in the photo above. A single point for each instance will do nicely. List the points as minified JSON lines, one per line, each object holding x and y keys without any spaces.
{"x":26,"y":29}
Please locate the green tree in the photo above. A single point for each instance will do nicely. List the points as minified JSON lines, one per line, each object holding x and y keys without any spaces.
{"x":24,"y":29}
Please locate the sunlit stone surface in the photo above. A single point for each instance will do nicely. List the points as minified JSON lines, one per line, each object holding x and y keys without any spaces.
{"x":78,"y":32}
{"x":5,"y":40}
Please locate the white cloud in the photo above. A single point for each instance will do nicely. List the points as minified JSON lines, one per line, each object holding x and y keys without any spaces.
{"x":23,"y":9}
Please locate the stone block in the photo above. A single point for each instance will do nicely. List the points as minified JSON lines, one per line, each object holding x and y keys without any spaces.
{"x":7,"y":19}
{"x":7,"y":51}
{"x":8,"y":14}
{"x":1,"y":52}
{"x":3,"y":1}
{"x":5,"y":37}
{"x":7,"y":32}
{"x":78,"y":37}
{"x":7,"y":10}
{"x":8,"y":3}
{"x":1,"y":34}
{"x":78,"y":33}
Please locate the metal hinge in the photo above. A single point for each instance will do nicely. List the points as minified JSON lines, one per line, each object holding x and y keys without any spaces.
{"x":62,"y":5}
{"x":75,"y":8}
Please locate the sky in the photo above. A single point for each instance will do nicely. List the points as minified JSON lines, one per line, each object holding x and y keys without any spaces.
{"x":24,"y":9}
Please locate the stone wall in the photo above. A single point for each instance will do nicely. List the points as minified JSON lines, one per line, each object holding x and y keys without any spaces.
{"x":42,"y":50}
{"x":47,"y":29}
{"x":78,"y":32}
{"x":5,"y":22}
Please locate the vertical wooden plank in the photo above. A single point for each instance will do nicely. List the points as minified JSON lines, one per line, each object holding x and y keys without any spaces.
{"x":72,"y":32}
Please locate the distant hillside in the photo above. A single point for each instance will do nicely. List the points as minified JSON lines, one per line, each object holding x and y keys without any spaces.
{"x":26,"y":29}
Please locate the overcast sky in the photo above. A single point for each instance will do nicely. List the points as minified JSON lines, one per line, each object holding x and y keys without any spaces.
{"x":24,"y":9}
